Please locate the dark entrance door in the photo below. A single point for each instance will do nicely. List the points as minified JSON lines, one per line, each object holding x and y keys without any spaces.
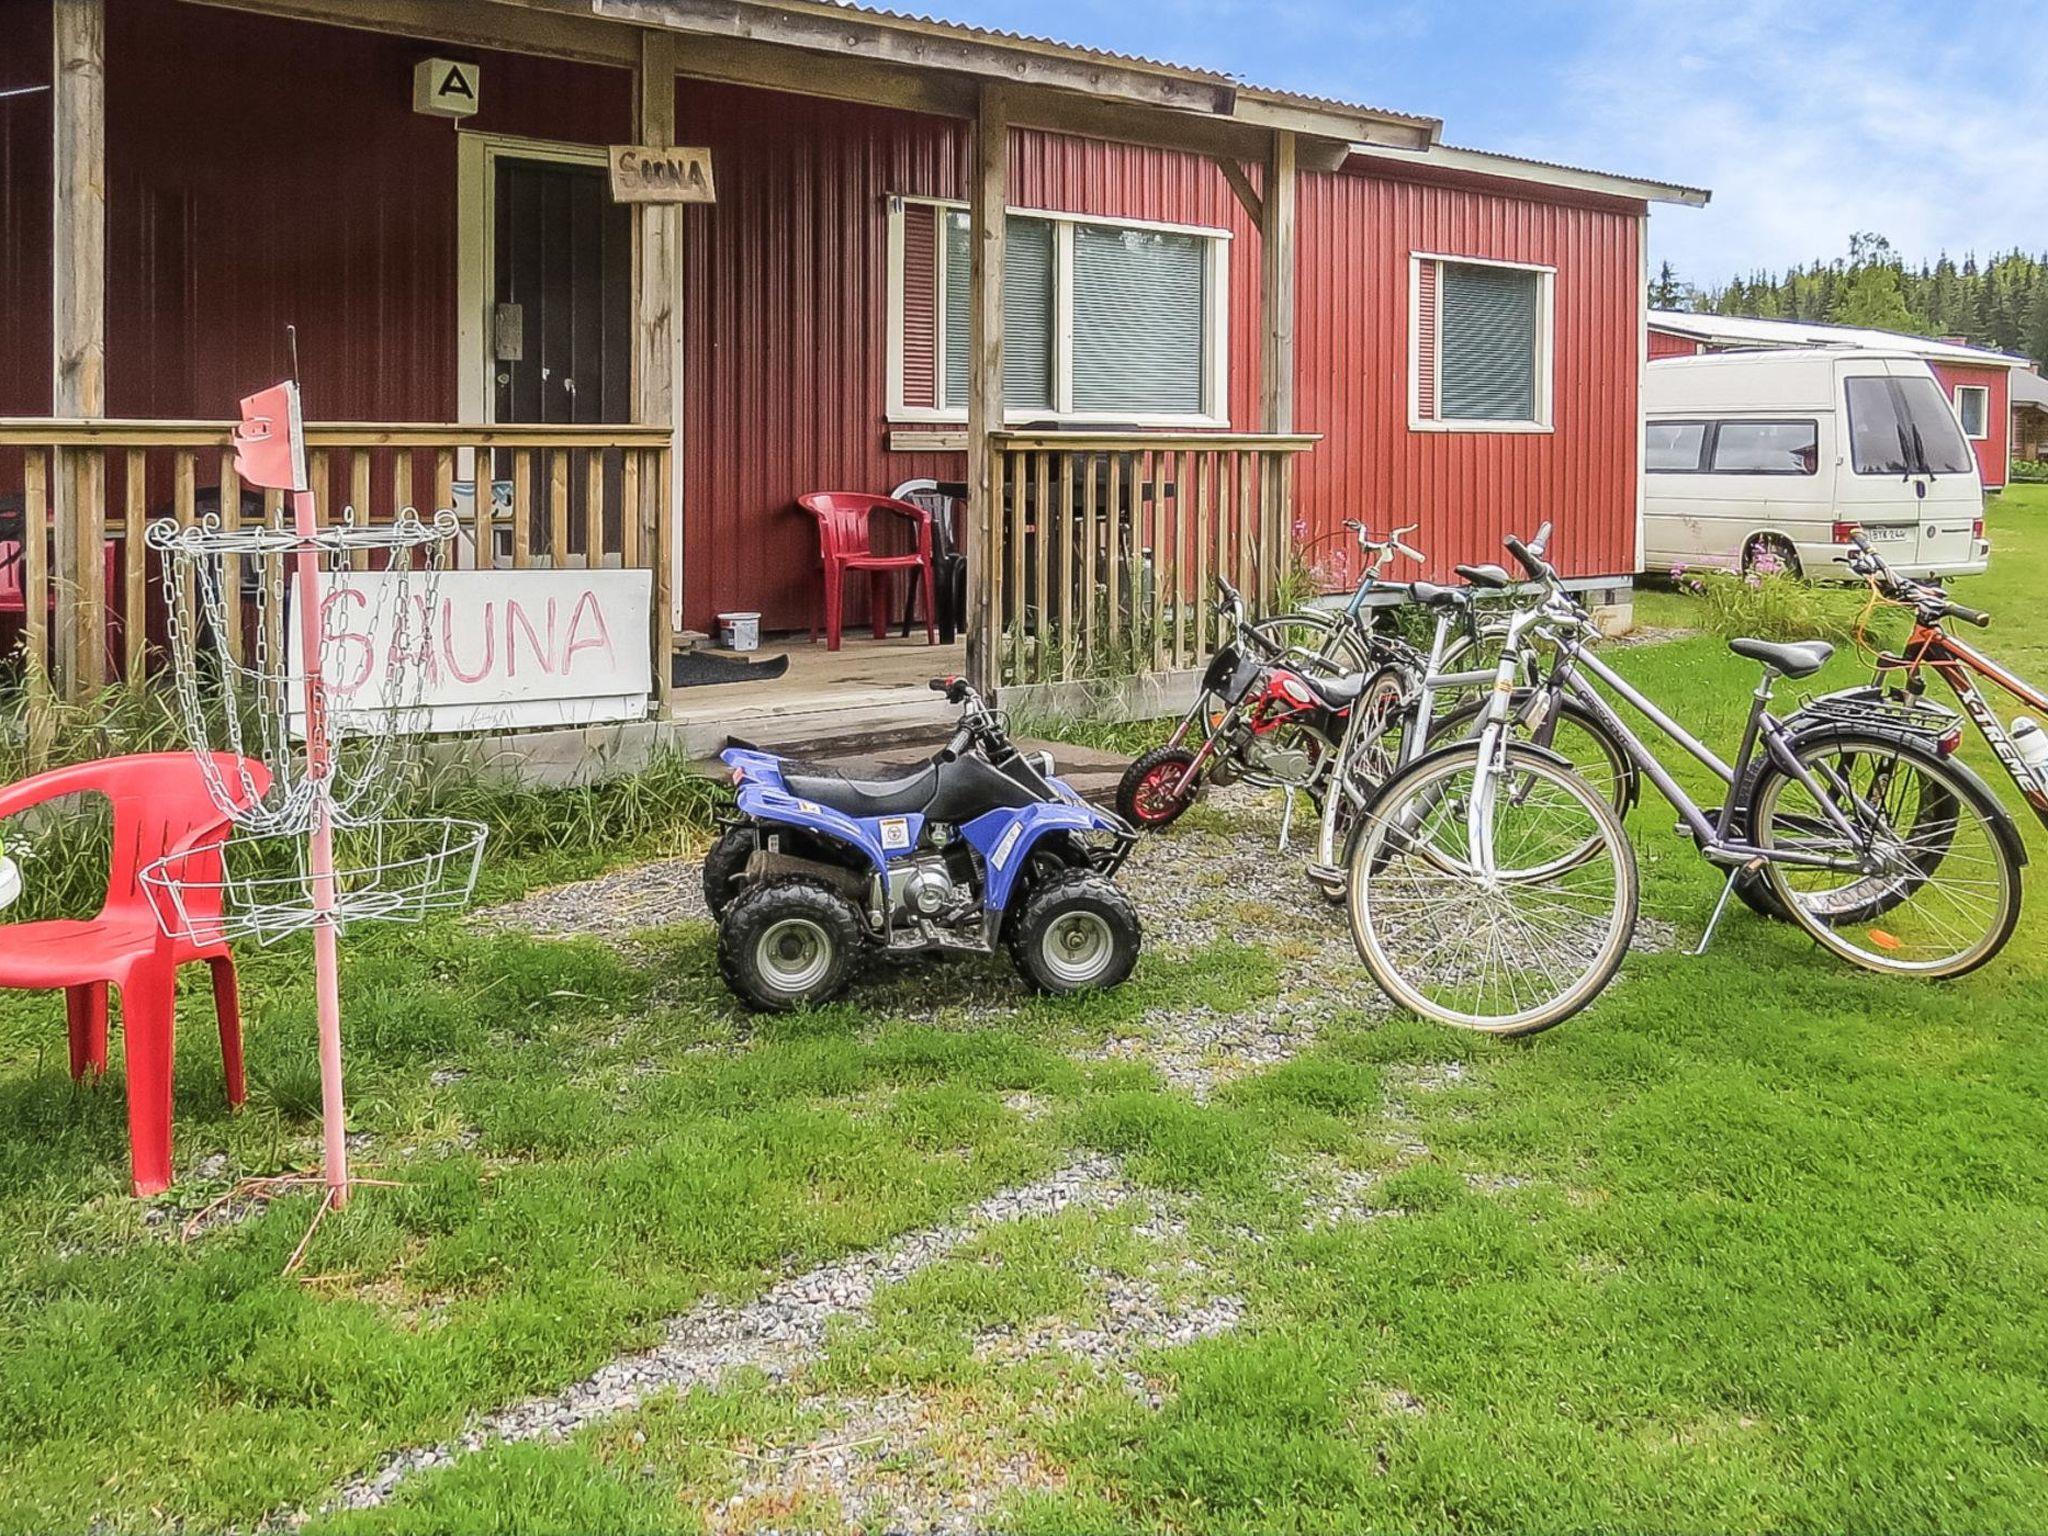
{"x":562,"y":326}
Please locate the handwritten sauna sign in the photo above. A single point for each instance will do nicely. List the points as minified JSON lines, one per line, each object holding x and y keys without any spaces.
{"x":496,"y":650}
{"x":647,"y":174}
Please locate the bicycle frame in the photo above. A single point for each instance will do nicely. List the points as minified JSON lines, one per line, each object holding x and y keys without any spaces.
{"x":1931,"y":647}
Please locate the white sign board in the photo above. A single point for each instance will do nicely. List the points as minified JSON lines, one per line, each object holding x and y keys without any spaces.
{"x":446,"y":88}
{"x":499,"y":650}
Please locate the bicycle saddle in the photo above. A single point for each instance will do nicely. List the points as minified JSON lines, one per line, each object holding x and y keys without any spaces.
{"x":1430,"y":595}
{"x":1486,"y":576}
{"x":1799,"y":658}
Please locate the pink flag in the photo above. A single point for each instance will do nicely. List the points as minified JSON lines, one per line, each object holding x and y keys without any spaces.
{"x":270,"y":441}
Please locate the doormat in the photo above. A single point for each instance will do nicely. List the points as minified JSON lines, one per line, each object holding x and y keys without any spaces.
{"x":703,"y":669}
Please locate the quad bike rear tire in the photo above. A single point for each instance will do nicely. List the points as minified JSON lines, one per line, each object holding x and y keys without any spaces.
{"x":1144,"y":794}
{"x":1076,"y":932}
{"x":788,"y":945}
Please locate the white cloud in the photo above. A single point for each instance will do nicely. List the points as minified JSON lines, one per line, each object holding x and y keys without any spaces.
{"x":1926,"y":123}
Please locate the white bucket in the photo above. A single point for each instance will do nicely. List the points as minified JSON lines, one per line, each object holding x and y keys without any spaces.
{"x":740,"y":631}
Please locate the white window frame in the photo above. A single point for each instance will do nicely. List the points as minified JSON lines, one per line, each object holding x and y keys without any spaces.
{"x":1983,"y":415}
{"x":1546,"y":344}
{"x":1215,"y":411}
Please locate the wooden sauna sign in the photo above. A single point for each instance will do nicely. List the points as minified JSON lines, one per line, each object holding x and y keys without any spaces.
{"x":649,"y":174}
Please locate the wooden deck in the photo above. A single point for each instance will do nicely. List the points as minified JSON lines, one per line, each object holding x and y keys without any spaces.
{"x":867,"y":688}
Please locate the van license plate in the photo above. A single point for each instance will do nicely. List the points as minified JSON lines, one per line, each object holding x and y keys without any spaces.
{"x":1891,"y":535}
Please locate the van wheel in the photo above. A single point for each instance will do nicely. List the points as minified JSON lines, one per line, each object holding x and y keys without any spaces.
{"x":1769,"y":548}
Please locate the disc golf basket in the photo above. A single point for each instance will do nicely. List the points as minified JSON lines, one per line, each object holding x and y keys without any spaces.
{"x":324,"y":690}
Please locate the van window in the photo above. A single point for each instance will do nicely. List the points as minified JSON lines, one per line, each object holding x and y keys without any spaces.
{"x":1904,"y":427}
{"x":1766,"y":448}
{"x":1673,"y":447}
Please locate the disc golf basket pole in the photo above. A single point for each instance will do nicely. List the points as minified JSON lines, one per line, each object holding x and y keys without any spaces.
{"x":281,"y":872}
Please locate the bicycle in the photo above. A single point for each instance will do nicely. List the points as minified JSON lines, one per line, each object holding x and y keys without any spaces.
{"x":1871,"y":838}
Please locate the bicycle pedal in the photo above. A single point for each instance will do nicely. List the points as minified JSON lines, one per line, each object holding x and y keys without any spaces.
{"x":1328,"y":876}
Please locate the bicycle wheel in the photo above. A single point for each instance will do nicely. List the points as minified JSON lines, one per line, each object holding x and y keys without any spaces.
{"x":1324,"y":644}
{"x":1371,"y":752}
{"x":1926,"y":884}
{"x":1499,"y":952}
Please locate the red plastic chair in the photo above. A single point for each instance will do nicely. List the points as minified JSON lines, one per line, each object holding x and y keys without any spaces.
{"x":845,"y":544}
{"x":161,"y":806}
{"x":14,"y":595}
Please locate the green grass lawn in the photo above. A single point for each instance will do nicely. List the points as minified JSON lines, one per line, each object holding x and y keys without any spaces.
{"x":1756,"y":1242}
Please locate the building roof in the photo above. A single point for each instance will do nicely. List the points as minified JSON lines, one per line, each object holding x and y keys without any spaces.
{"x":2029,"y":388}
{"x":1547,"y":173}
{"x":1744,"y":331}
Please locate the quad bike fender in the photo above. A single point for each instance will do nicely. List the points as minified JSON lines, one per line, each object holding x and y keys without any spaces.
{"x":877,"y":839}
{"x":751,"y":767}
{"x":1005,"y":839}
{"x":1888,"y":732}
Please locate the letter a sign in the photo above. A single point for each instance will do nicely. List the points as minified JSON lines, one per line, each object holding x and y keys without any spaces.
{"x":446,"y":87}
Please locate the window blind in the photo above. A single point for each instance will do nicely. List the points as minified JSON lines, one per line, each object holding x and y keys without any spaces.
{"x":1139,"y":302}
{"x":1487,"y":351}
{"x":1027,"y":313}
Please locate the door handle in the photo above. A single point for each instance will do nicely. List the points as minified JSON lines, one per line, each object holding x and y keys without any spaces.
{"x":569,"y":384}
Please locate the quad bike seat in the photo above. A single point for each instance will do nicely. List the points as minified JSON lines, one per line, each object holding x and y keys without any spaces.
{"x":868,"y":797}
{"x":1799,"y":658}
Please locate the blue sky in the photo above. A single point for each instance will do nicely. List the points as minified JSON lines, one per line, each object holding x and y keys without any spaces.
{"x":1927,"y":121}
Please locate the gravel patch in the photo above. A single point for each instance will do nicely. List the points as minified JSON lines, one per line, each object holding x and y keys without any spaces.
{"x":779,"y":1331}
{"x":614,"y":906}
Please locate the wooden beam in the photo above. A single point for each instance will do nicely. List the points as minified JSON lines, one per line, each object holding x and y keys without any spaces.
{"x":1241,"y":184}
{"x":516,"y":29}
{"x":988,"y":201}
{"x":1120,"y":122}
{"x":845,"y":34}
{"x":1320,"y":154}
{"x":768,"y":66}
{"x":78,"y":336}
{"x":1276,"y":354}
{"x":657,"y":242}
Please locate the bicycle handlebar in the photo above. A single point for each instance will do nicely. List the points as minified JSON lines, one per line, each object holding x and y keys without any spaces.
{"x":1974,"y":616}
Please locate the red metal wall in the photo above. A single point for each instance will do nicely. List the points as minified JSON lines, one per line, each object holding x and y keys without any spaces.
{"x":24,"y":210}
{"x":1666,"y":344}
{"x":1993,"y":452}
{"x":1466,"y":489}
{"x":786,"y":307}
{"x":278,"y":173}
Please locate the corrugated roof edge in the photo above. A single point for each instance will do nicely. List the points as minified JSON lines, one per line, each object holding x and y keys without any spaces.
{"x":1550,"y":173}
{"x":1820,"y":334}
{"x":1129,"y":60}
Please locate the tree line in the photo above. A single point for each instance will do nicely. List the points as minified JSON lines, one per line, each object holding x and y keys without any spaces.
{"x":2000,"y":302}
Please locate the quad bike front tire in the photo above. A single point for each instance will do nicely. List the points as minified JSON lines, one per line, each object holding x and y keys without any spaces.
{"x":724,"y":865}
{"x":788,"y":945}
{"x":1144,"y":795}
{"x":1076,"y":932}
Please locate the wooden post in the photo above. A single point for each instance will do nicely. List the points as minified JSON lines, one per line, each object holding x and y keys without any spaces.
{"x":78,"y":336}
{"x":988,"y":200}
{"x":657,"y":245}
{"x":1276,"y":355}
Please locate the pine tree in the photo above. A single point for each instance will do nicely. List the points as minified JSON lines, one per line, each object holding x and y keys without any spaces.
{"x":1664,"y":292}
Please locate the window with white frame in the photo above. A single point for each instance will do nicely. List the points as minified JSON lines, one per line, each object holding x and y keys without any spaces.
{"x":1481,"y":345}
{"x":1973,"y":409}
{"x":1103,"y":321}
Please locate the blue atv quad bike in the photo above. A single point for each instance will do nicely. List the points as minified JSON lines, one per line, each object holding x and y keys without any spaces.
{"x":980,"y":846}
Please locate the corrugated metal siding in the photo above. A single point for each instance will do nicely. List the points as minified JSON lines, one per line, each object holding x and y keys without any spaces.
{"x":24,"y":211}
{"x":1664,"y":344}
{"x":786,"y":308}
{"x":1993,"y":452}
{"x":278,"y":174}
{"x":1467,"y":489}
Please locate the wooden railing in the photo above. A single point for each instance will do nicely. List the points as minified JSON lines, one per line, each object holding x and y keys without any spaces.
{"x":75,"y":496}
{"x":1105,"y":547}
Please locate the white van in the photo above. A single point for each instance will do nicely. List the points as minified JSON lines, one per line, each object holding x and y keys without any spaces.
{"x":1786,"y":452}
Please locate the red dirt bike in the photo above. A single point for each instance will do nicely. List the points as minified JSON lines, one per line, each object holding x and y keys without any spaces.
{"x":1260,"y":720}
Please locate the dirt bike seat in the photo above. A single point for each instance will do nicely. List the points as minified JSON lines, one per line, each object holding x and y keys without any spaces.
{"x":1336,"y":692}
{"x":906,"y":796}
{"x":1799,"y":658}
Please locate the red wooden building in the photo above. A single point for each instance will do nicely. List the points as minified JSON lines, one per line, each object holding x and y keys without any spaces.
{"x":1218,"y":320}
{"x":1975,"y":379}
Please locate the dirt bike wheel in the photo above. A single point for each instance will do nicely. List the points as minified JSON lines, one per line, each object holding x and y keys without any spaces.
{"x":724,"y":865}
{"x":1144,"y":795}
{"x":787,"y":946}
{"x":1076,"y":932}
